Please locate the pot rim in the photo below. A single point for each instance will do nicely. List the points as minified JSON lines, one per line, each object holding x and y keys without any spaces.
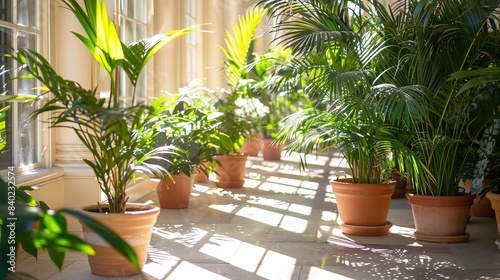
{"x":147,"y":208}
{"x":349,"y":181}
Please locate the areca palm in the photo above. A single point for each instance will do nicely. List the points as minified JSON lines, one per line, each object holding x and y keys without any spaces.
{"x":338,"y":51}
{"x":400,"y":60}
{"x":431,"y":43}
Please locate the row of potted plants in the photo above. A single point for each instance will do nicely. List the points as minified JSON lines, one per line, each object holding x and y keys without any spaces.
{"x":171,"y":136}
{"x":389,"y":99}
{"x":408,"y":89}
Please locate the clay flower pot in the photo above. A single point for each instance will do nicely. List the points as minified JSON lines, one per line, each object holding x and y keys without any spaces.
{"x":440,"y":218}
{"x":231,"y":171}
{"x":135,"y":226}
{"x":482,"y":205}
{"x":176,"y":193}
{"x":201,"y":177}
{"x":495,"y":204}
{"x":251,"y":145}
{"x":271,"y":152}
{"x":363,"y":208}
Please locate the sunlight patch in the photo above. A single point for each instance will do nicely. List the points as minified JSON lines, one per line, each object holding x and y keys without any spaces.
{"x":248,"y":257}
{"x":276,"y":266}
{"x":220,"y":247}
{"x":188,"y":270}
{"x":318,"y":273}
{"x":260,"y":215}
{"x":293,"y":224}
{"x":227,"y":208}
{"x":273,"y":187}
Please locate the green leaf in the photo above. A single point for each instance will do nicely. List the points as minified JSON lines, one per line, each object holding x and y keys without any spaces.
{"x":55,"y":223}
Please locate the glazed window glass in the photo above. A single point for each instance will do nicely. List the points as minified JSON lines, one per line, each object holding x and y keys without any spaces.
{"x":20,"y":141}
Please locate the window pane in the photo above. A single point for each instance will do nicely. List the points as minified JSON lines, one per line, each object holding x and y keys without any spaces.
{"x":136,"y":9}
{"x":140,"y":10}
{"x":6,"y":10}
{"x":127,"y":33}
{"x":141,"y":84}
{"x":140,"y":32}
{"x":5,"y":39}
{"x":28,"y":146}
{"x":6,"y":135}
{"x":26,"y":13}
{"x":26,"y":41}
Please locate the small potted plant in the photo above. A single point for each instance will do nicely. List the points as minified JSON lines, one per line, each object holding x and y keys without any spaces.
{"x":191,"y":127}
{"x":242,"y":113}
{"x":282,"y":96}
{"x":240,"y":117}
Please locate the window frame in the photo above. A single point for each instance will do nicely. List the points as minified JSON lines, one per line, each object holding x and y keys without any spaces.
{"x":40,"y":31}
{"x":120,"y":19}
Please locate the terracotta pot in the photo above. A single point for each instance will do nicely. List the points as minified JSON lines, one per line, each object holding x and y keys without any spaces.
{"x":440,"y":218}
{"x":363,"y":208}
{"x":251,"y":145}
{"x":495,"y":204}
{"x":401,"y":186}
{"x":270,"y":152}
{"x":176,"y":193}
{"x":201,"y":177}
{"x":482,"y":205}
{"x":135,"y":226}
{"x":231,"y":171}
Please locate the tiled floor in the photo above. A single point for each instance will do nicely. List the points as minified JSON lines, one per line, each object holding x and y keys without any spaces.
{"x":283,"y":225}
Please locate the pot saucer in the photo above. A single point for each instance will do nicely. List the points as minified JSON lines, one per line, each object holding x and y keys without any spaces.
{"x":441,"y":238}
{"x":366,"y":230}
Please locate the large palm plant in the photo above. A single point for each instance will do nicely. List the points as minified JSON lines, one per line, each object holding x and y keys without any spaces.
{"x":337,"y":52}
{"x":399,"y":61}
{"x":241,"y":113}
{"x":112,"y":133}
{"x":432,"y":44}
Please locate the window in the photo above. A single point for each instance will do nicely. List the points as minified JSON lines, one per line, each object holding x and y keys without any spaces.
{"x":191,"y":51}
{"x":133,"y":26}
{"x":20,"y":143}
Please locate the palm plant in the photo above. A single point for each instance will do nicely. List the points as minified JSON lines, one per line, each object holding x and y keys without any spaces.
{"x":436,"y":45}
{"x":241,"y":113}
{"x":337,"y":51}
{"x":50,"y":233}
{"x":110,"y":131}
{"x":401,"y":63}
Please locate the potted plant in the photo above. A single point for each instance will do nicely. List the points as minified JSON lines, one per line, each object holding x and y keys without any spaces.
{"x":493,"y":190}
{"x":282,"y":96}
{"x":111,"y":131}
{"x":454,"y":115}
{"x":339,"y":78}
{"x":241,"y":112}
{"x":37,"y":227}
{"x":240,"y":117}
{"x":412,"y":51}
{"x":191,"y":125}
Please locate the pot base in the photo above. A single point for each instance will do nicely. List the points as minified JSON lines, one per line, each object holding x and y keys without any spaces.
{"x":366,"y":230}
{"x":442,"y":239}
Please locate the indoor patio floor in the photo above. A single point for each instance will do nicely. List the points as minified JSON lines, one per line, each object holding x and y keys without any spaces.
{"x":284,"y":225}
